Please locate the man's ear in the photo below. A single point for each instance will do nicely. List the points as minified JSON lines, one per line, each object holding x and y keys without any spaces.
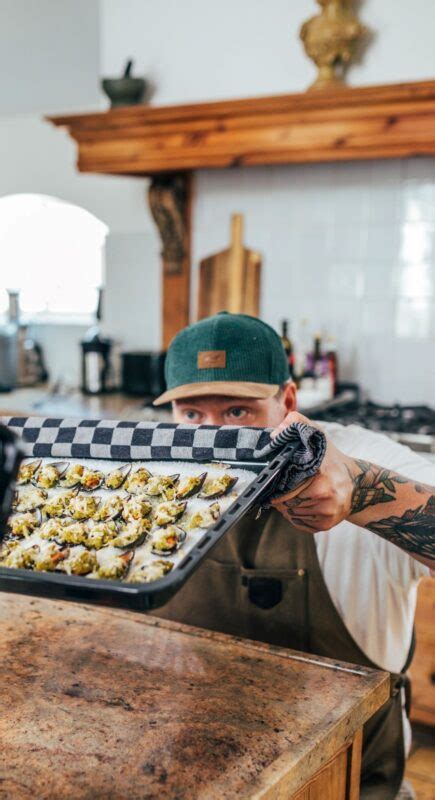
{"x":289,"y":396}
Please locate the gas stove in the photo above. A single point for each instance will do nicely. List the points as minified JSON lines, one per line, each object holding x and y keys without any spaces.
{"x":411,"y":425}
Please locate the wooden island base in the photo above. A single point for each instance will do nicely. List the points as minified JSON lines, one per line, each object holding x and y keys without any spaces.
{"x":98,"y":703}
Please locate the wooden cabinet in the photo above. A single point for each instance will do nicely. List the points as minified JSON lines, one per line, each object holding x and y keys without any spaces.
{"x":338,"y":780}
{"x":423,"y":666}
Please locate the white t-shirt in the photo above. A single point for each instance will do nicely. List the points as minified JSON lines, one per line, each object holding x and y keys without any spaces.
{"x":373,"y":583}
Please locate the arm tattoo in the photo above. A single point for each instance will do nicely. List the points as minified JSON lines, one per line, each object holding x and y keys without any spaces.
{"x":414,"y":531}
{"x":372,"y":486}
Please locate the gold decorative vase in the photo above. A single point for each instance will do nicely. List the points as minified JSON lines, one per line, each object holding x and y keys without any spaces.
{"x":331,"y":40}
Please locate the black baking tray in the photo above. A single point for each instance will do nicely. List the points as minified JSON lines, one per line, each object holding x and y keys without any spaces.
{"x":147,"y":596}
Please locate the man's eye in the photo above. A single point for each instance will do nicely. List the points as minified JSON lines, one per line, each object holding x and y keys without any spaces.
{"x":237,"y":412}
{"x":192,"y":416}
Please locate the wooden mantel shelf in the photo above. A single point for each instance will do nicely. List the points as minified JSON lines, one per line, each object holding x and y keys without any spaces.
{"x":390,"y":121}
{"x":170,"y":142}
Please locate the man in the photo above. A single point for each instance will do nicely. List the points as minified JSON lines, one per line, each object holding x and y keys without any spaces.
{"x":333,"y":568}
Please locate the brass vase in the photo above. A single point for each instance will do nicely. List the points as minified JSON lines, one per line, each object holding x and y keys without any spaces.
{"x":331,"y":40}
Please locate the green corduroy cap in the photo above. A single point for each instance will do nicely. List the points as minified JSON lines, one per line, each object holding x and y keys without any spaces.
{"x":234,"y":355}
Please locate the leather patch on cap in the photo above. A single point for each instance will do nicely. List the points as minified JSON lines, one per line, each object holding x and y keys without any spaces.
{"x":212,"y":359}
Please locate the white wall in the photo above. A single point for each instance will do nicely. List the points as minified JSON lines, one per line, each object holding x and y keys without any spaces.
{"x":348,"y":246}
{"x":49,"y":54}
{"x":335,"y":239}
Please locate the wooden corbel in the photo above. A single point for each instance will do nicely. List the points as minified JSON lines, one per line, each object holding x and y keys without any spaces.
{"x":170,"y":203}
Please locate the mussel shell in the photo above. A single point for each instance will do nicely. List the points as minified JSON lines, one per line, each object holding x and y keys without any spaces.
{"x":181,"y":536}
{"x":201,"y":478}
{"x":61,"y":467}
{"x":125,"y":471}
{"x":219,"y":492}
{"x":35,"y":466}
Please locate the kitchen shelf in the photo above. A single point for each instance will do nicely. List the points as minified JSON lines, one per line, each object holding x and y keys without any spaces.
{"x":390,"y":121}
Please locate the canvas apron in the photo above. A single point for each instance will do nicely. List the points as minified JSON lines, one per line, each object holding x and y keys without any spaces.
{"x":264,"y":582}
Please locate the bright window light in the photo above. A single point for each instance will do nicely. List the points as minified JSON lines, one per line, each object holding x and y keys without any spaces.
{"x":52,"y":252}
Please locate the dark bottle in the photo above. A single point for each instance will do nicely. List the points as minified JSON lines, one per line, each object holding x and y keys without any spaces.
{"x":288,"y":346}
{"x":96,"y":356}
{"x":318,"y":358}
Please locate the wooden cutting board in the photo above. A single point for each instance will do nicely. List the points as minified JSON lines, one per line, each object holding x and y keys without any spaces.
{"x":230,"y":280}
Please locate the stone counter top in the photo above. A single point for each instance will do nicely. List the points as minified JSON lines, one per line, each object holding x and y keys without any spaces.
{"x":100,"y":703}
{"x":41,"y":401}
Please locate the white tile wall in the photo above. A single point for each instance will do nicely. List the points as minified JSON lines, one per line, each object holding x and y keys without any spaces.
{"x":351,"y":247}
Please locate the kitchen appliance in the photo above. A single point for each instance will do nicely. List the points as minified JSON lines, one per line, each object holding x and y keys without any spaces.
{"x":413,"y":425}
{"x":96,"y":357}
{"x":143,"y":373}
{"x":230,"y":280}
{"x":8,"y":358}
{"x":21,"y":358}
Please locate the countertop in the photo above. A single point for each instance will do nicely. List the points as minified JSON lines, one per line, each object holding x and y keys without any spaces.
{"x":104,"y":703}
{"x":41,"y":401}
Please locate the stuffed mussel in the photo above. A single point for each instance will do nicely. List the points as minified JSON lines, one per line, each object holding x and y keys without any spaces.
{"x":168,"y":541}
{"x":218,"y":487}
{"x":83,"y":506}
{"x":27,"y":471}
{"x":23,"y":525}
{"x":57,"y":504}
{"x":72,"y":476}
{"x":135,"y":507}
{"x":132,"y":534}
{"x":29,"y":499}
{"x":137,"y":481}
{"x":205,"y":517}
{"x":80,"y":561}
{"x":150,"y":571}
{"x":110,"y":508}
{"x":101,"y":534}
{"x":49,"y":475}
{"x":115,"y":478}
{"x":169,"y":512}
{"x":189,"y":486}
{"x":162,"y":486}
{"x":115,"y":566}
{"x":91,"y":479}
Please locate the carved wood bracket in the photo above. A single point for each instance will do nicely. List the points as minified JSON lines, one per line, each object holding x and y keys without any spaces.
{"x":168,"y":200}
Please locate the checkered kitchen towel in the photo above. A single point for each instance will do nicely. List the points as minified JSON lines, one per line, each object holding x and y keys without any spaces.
{"x":125,"y":440}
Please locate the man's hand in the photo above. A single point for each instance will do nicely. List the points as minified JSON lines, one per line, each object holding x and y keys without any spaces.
{"x":397,"y":508}
{"x":325,"y":499}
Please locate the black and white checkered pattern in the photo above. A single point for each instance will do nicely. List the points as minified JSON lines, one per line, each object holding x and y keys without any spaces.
{"x":123,"y":440}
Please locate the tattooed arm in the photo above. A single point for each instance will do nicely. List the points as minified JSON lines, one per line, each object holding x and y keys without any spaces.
{"x":395,"y":507}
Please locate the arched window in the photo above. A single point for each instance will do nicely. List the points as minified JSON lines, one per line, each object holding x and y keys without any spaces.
{"x":52,"y":252}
